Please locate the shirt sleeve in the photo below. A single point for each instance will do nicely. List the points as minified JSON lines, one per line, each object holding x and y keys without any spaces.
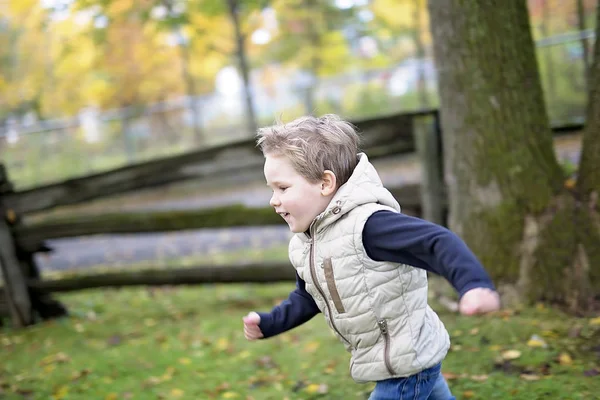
{"x":297,"y":309}
{"x":395,"y":237}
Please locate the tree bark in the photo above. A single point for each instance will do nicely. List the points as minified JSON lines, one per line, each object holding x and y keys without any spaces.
{"x":589,"y":168}
{"x":584,"y":42}
{"x":507,"y":197}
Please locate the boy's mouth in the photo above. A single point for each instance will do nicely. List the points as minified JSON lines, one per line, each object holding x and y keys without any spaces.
{"x":284,"y":214}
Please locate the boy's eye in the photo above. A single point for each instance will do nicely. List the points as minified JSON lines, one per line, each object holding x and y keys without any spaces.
{"x":283,"y":188}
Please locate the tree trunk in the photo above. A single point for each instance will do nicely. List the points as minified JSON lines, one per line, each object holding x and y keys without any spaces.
{"x":547,"y":52}
{"x":417,"y":38}
{"x":240,"y":40}
{"x":188,"y":79}
{"x":589,"y":168}
{"x":506,"y":189}
{"x":584,"y":43}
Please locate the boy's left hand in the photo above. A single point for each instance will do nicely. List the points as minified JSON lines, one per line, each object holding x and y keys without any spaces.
{"x":479,"y":301}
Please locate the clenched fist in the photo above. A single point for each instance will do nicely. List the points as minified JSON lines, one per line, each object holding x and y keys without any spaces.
{"x":479,"y":301}
{"x":251,"y":328}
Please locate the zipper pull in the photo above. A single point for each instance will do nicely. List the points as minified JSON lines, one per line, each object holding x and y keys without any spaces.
{"x":383,"y":326}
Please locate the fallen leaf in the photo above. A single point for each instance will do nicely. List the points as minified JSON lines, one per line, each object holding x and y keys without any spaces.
{"x":314,"y":388}
{"x":57,"y":358}
{"x":60,"y":393}
{"x":80,"y":374}
{"x":222,"y":344}
{"x":479,"y":378}
{"x":468,"y":394}
{"x":570,"y":183}
{"x":449,"y":376}
{"x":266,"y":362}
{"x":511,"y":354}
{"x":177,"y":392}
{"x":530,"y":377}
{"x":230,"y":395}
{"x":474,"y":331}
{"x":111,"y":396}
{"x":595,"y":321}
{"x":311,"y":347}
{"x":565,"y":359}
{"x":185,"y":361}
{"x":11,"y":216}
{"x":536,"y":341}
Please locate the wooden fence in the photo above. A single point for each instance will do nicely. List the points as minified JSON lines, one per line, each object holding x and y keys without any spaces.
{"x":26,"y":297}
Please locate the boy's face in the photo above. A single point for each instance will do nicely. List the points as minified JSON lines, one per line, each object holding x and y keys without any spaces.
{"x":296,"y":199}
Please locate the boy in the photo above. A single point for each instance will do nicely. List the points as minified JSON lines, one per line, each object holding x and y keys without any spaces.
{"x":361,"y":262}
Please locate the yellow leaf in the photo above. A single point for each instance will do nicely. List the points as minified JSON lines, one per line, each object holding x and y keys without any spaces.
{"x":111,"y":396}
{"x":244,"y":354}
{"x":149,"y":322}
{"x":230,"y":395}
{"x":565,"y":359}
{"x":474,"y":331}
{"x":311,"y":347}
{"x":595,"y":321}
{"x":314,"y":388}
{"x":570,"y":183}
{"x":11,"y":216}
{"x":177,"y":393}
{"x":511,"y":354}
{"x":536,"y":343}
{"x":495,"y":347}
{"x":185,"y":361}
{"x":60,"y":393}
{"x":222,"y":344}
{"x":468,"y":394}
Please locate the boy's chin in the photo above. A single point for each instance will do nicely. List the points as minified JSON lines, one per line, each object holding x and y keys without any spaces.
{"x":297,"y":229}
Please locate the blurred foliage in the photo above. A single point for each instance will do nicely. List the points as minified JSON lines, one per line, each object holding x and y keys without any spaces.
{"x":358,"y":59}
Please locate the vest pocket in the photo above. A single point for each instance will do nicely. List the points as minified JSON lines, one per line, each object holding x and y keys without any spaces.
{"x":330,"y":279}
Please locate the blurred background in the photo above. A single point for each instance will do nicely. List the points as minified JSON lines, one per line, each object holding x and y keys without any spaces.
{"x":90,"y":85}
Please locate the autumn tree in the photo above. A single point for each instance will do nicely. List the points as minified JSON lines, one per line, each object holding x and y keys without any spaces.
{"x":509,"y":197}
{"x":310,"y":39}
{"x":401,"y":19}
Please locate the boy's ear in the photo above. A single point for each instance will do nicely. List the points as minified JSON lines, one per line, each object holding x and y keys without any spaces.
{"x":329,"y":183}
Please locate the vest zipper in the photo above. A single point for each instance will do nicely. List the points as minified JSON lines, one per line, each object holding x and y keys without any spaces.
{"x":386,"y":345}
{"x":318,"y":286}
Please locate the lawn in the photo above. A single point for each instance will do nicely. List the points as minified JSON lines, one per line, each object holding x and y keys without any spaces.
{"x":187,"y":343}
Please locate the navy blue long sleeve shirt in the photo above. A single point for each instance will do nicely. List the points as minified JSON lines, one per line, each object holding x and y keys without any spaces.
{"x":399,"y":238}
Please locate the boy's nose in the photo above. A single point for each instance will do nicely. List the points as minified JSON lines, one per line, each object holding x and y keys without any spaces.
{"x":274,"y":202}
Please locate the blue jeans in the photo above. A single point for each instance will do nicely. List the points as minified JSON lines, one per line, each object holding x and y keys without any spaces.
{"x":426,"y":385}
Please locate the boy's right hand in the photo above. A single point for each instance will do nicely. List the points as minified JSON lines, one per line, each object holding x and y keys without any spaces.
{"x":251,"y":328}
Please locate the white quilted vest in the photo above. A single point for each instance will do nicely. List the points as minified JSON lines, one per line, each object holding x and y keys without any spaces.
{"x":377,"y":309}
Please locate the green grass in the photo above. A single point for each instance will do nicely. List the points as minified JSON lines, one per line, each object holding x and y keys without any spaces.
{"x":187,"y":343}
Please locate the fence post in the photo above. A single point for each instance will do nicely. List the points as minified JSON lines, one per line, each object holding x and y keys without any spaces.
{"x":15,"y":286}
{"x":428,"y":145}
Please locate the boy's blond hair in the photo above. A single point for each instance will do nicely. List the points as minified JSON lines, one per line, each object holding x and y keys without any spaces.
{"x":314,"y":145}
